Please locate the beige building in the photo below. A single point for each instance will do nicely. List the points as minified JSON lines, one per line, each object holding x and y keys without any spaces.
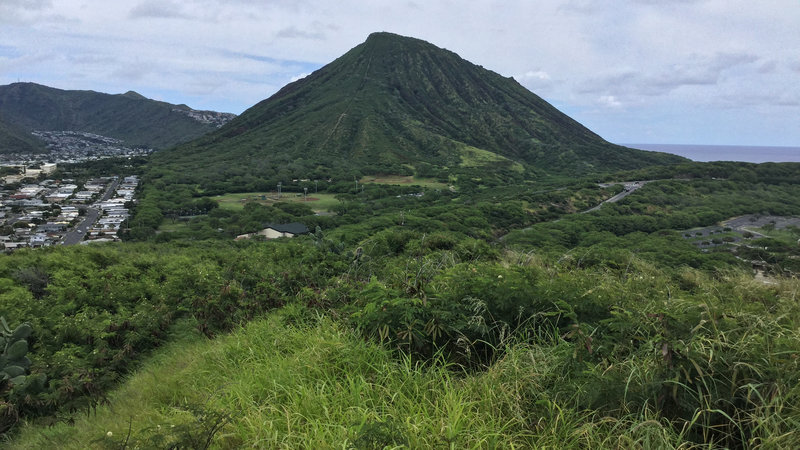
{"x":274,"y":231}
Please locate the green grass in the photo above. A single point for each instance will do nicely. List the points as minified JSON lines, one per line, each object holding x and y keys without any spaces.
{"x":476,"y":157}
{"x":281,"y":382}
{"x":168,"y":226}
{"x":318,"y":202}
{"x":403,"y":180}
{"x":787,"y":236}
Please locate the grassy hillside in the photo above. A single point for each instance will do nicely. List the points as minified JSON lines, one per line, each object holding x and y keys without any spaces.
{"x":130,"y":117}
{"x":400,"y":106}
{"x":309,"y":383}
{"x":629,"y":357}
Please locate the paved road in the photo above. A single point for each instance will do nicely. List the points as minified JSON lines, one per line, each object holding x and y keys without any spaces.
{"x":111,"y":189}
{"x":77,"y":234}
{"x":630,"y":187}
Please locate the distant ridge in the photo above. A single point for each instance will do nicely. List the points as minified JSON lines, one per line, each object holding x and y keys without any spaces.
{"x":136,"y":120}
{"x":395,"y":104}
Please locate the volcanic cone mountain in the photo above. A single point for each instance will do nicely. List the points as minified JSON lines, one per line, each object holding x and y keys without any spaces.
{"x":396,"y":104}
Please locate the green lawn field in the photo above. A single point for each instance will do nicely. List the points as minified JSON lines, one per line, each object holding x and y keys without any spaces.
{"x":318,"y":202}
{"x":403,"y":180}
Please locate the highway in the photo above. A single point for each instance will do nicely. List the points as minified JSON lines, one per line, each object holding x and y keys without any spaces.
{"x":630,"y":187}
{"x":77,"y":234}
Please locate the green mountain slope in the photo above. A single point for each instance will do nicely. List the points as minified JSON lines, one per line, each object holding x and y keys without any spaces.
{"x":130,"y":117}
{"x":395,"y":101}
{"x":16,"y":140}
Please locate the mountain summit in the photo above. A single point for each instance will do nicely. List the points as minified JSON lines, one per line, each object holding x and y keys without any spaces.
{"x":393,"y":103}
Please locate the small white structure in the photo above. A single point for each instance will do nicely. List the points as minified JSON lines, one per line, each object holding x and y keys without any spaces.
{"x":274,"y":231}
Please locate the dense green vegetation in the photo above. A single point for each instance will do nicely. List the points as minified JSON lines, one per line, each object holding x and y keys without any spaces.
{"x":130,"y":117}
{"x":94,"y":311}
{"x":363,"y":209}
{"x":656,"y":214}
{"x":396,"y":106}
{"x":607,"y":328}
{"x":303,"y":380}
{"x":777,"y":254}
{"x":702,"y":357}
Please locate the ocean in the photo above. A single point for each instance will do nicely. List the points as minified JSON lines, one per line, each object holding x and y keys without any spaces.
{"x":705,"y":153}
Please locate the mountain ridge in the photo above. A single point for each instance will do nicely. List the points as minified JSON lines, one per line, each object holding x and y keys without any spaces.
{"x":131,"y":117}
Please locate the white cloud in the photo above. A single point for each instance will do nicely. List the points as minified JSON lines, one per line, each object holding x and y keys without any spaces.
{"x":538,"y":81}
{"x":296,"y":33}
{"x":629,"y":59}
{"x":768,"y":66}
{"x":609,"y":101}
{"x":633,"y":83}
{"x":22,"y":11}
{"x":539,"y":75}
{"x":159,"y":9}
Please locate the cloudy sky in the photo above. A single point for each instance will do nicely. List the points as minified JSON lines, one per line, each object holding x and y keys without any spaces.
{"x":634,"y":71}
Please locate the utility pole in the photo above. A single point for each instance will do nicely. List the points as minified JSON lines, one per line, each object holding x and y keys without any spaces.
{"x":305,"y":193}
{"x":279,"y":190}
{"x":315,"y":186}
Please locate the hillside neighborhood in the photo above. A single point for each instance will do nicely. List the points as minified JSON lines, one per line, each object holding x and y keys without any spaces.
{"x":215,"y":118}
{"x":74,"y":147}
{"x":62,"y":211}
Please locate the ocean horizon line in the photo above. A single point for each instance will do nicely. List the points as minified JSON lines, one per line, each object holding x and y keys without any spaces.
{"x":711,"y":152}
